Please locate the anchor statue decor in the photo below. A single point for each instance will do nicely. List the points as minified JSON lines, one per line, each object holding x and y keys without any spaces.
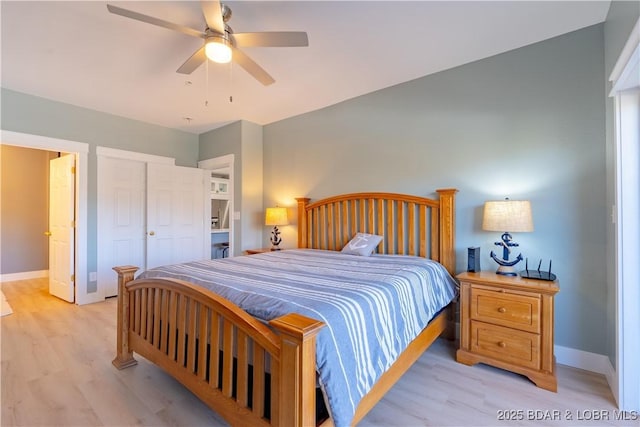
{"x":506,"y":266}
{"x":511,"y":215}
{"x":276,"y":216}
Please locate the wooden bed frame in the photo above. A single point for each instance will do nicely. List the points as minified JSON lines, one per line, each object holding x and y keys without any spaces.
{"x":225,"y":364}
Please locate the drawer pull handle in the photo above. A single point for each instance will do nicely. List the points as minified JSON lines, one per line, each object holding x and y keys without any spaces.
{"x":502,"y":310}
{"x":502,"y":344}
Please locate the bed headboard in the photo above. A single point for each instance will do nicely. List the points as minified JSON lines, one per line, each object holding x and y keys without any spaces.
{"x":410,"y":225}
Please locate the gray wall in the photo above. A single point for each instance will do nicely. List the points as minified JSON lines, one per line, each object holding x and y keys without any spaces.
{"x":527,"y":124}
{"x":621,"y":18}
{"x":25,"y":209}
{"x":33,"y":115}
{"x":252,"y":188}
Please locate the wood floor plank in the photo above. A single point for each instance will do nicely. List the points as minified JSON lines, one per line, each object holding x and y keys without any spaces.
{"x":56,"y":370}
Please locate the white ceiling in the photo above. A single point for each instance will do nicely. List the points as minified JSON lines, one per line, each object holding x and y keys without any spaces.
{"x":78,"y":53}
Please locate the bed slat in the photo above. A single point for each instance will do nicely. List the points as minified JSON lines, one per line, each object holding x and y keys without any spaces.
{"x":204,"y":316}
{"x":400,"y":230}
{"x":330,"y":228}
{"x":412,"y":228}
{"x":157,"y":306}
{"x":435,"y":238}
{"x":258,"y":382}
{"x":353,"y":219}
{"x":242,"y":372}
{"x":227,"y":358}
{"x":191,"y":335}
{"x":380,"y":227}
{"x":182,"y":309}
{"x":171,"y":324}
{"x":164,"y":313}
{"x":214,"y":353}
{"x":391,"y":216}
{"x":423,"y":232}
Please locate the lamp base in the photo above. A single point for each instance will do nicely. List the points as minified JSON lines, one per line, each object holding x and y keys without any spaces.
{"x":506,"y":267}
{"x":275,"y":248}
{"x":505,"y":270}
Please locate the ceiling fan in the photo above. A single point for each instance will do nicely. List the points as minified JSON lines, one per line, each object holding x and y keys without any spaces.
{"x":220,"y":42}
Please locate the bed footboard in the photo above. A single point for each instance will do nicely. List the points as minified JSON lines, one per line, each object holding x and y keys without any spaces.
{"x":239,"y":367}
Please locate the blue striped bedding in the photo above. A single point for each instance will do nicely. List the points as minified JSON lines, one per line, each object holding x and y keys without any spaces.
{"x":373,"y":307}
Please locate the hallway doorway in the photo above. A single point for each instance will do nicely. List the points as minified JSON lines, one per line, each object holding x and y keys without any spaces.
{"x":81,"y":151}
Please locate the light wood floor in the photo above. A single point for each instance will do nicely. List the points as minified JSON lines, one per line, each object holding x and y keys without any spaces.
{"x":56,"y":370}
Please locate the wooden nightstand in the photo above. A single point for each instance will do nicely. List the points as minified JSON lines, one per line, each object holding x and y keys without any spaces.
{"x":507,"y":322}
{"x":257,"y":251}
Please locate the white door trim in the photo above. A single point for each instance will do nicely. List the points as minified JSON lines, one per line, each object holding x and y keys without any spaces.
{"x":81,"y":151}
{"x":623,"y":74}
{"x":625,"y":80}
{"x":134,"y":155}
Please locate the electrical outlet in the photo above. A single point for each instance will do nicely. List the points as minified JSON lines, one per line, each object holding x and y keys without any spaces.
{"x":93,"y":276}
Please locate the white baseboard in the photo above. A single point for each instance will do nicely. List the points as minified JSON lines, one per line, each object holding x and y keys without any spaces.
{"x":612,"y":379}
{"x":26,"y":275}
{"x":593,"y":362}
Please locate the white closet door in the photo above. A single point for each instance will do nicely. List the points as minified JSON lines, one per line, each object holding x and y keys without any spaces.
{"x":121,"y":218}
{"x":175,"y":214}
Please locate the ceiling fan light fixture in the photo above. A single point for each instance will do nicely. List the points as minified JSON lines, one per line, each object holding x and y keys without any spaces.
{"x":217,"y":49}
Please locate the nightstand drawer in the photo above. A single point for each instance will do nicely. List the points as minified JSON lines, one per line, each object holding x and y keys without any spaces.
{"x":521,"y":348}
{"x":507,"y":309}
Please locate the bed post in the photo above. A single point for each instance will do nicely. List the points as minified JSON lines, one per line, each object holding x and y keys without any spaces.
{"x":448,"y":228}
{"x":297,"y":373}
{"x":302,"y":221}
{"x":124,"y":357}
{"x":448,"y":250}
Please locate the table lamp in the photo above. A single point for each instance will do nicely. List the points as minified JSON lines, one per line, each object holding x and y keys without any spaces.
{"x":276,"y":216}
{"x":507,"y":216}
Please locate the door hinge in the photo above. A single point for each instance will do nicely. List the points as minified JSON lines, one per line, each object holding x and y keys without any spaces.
{"x":73,"y":169}
{"x":73,"y":223}
{"x":73,"y":277}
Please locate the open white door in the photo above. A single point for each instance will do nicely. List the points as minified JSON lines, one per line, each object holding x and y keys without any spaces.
{"x":62,"y":227}
{"x":175,"y":214}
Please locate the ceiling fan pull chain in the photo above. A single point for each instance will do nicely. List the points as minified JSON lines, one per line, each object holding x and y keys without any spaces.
{"x":206,"y":83}
{"x":231,"y":80}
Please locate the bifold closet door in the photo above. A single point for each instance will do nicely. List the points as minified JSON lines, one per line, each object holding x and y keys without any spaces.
{"x":175,"y":214}
{"x":121,"y":218}
{"x":148,"y":215}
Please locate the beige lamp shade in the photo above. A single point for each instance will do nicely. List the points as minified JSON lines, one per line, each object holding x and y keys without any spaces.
{"x":276,"y":216}
{"x":507,"y":216}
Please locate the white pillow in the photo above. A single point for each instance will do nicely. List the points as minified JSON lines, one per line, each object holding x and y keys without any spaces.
{"x":362,"y":244}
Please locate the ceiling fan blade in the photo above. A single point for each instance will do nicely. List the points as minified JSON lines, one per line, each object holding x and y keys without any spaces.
{"x":272,"y":39}
{"x":212,"y":11}
{"x":154,"y":21}
{"x":252,"y":67}
{"x":193,"y":62}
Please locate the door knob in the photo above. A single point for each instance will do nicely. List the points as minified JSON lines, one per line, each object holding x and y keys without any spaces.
{"x":152,"y":233}
{"x":47,"y":233}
